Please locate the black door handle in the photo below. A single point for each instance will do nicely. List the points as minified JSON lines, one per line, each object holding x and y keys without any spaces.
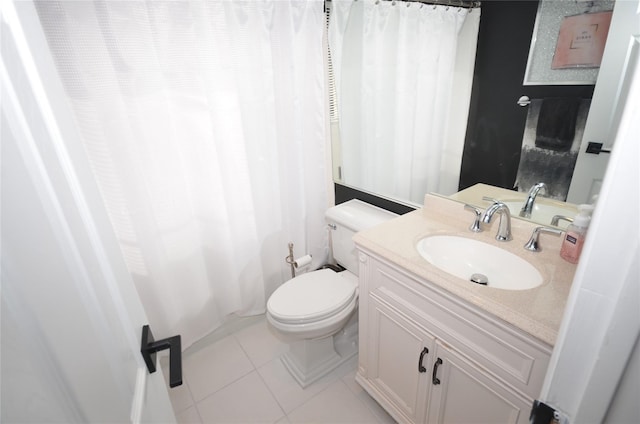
{"x":149,"y":347}
{"x":596,"y":148}
{"x":421,"y":367}
{"x":435,"y":380}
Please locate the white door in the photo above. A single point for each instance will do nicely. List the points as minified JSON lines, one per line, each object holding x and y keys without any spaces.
{"x":71,"y":318}
{"x":610,"y":93}
{"x":592,"y":348}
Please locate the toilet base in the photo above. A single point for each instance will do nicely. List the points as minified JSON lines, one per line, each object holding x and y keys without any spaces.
{"x":309,"y":360}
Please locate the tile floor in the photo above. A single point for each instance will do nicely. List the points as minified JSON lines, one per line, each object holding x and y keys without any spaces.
{"x":237,"y":377}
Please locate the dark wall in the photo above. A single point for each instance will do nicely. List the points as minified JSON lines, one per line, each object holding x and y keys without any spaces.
{"x":496,"y":122}
{"x":344,"y":193}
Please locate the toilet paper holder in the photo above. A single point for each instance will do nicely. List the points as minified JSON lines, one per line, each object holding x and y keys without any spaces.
{"x":300,"y":262}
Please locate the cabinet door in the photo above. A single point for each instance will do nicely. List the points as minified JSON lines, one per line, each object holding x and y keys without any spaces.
{"x":462,"y":393}
{"x":399,"y":361}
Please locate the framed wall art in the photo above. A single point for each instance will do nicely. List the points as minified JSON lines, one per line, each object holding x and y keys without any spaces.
{"x":568,"y":42}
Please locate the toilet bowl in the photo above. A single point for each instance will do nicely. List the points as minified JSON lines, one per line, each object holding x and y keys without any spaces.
{"x":316,"y":312}
{"x":315,"y":304}
{"x":309,"y":311}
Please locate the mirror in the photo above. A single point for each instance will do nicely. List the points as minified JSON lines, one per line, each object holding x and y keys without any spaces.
{"x":568,"y":60}
{"x":545,"y":211}
{"x":494,"y":133}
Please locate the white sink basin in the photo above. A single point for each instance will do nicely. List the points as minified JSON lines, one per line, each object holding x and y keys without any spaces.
{"x":464,"y":257}
{"x":542,"y":213}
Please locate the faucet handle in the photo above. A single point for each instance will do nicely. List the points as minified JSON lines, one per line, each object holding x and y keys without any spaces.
{"x":533,"y":244}
{"x":490,"y":199}
{"x":475,"y":227}
{"x":557,"y":218}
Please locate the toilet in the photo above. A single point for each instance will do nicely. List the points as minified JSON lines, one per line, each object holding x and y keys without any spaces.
{"x":316,"y":312}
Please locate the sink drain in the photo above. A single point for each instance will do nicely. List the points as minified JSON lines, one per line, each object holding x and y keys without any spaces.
{"x":479,"y":279}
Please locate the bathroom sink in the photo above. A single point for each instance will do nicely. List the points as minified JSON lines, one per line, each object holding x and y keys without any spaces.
{"x":471,"y":259}
{"x":543,"y":212}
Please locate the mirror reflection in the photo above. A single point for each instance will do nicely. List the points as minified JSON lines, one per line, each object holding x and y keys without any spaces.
{"x":457,"y":154}
{"x":403,"y":75}
{"x":532,"y":205}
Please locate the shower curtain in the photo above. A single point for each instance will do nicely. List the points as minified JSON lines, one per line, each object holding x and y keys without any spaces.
{"x":403,"y":74}
{"x":204,"y":124}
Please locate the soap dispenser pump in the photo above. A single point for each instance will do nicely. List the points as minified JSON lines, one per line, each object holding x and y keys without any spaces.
{"x":576,"y":233}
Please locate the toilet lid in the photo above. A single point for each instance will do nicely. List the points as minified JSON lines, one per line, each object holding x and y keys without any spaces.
{"x":311,"y":296}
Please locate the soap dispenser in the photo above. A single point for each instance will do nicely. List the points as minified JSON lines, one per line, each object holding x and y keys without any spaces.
{"x":576,"y":232}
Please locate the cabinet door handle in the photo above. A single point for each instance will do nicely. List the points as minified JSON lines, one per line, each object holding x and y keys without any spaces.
{"x":435,"y":380}
{"x":421,"y":367}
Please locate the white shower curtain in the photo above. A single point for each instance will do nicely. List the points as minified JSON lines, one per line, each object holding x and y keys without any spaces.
{"x":403,"y":84}
{"x":204,"y":124}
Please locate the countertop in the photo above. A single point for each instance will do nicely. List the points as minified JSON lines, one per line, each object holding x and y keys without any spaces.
{"x":536,"y":311}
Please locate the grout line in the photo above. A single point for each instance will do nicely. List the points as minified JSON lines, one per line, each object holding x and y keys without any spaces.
{"x":373,"y":411}
{"x":226,"y":385}
{"x":185,"y":383}
{"x":235,"y":337}
{"x":317,"y":394}
{"x":195,"y":405}
{"x":229,"y":328}
{"x":262,"y":378}
{"x":284,"y":413}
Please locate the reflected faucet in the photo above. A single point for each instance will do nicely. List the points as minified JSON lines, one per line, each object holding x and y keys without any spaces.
{"x":557,"y":218}
{"x":504,"y":228}
{"x":527,"y":208}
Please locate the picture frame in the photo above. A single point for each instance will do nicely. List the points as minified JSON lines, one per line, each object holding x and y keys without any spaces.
{"x":544,"y":42}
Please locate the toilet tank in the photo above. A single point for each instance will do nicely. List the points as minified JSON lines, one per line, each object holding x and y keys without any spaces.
{"x":348,"y":218}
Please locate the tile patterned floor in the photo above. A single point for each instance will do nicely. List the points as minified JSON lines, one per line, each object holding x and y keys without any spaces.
{"x":238,"y":378}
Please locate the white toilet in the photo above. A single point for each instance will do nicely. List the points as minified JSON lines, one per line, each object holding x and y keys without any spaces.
{"x":316,"y":311}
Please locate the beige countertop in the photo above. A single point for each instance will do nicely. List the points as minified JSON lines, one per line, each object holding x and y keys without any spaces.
{"x":536,"y":311}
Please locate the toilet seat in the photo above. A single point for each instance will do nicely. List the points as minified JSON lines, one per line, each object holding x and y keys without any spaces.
{"x":312,"y":297}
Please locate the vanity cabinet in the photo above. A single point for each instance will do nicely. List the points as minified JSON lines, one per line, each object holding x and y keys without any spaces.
{"x":399,"y":358}
{"x":427,"y":356}
{"x":463,"y":393}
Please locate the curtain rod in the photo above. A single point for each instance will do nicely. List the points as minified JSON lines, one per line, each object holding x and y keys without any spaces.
{"x":467,"y":4}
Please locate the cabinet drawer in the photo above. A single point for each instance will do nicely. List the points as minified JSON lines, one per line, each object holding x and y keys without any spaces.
{"x":503,"y":351}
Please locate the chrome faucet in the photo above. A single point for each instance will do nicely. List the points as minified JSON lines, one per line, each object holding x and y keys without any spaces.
{"x":557,"y":218}
{"x":527,"y":208}
{"x":533,"y":244}
{"x":504,"y":228}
